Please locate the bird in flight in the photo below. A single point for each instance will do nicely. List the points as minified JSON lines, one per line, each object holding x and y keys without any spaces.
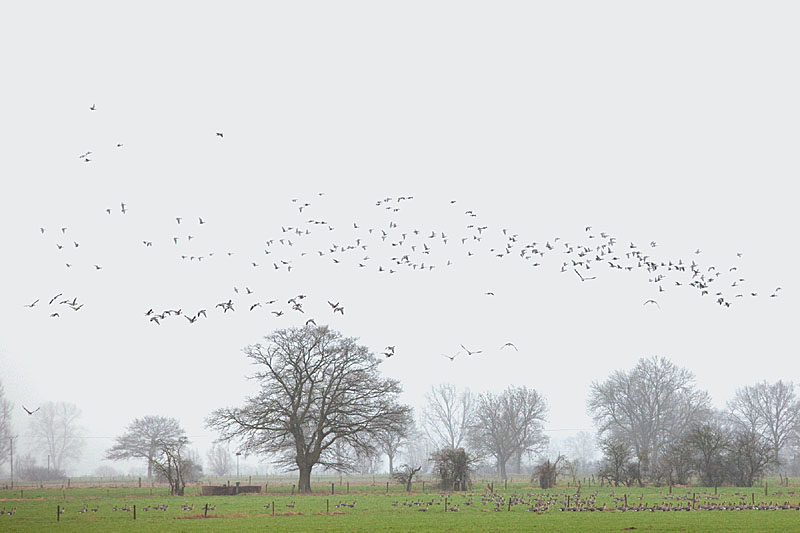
{"x":509,"y":344}
{"x":29,"y":411}
{"x":389,"y":351}
{"x":582,"y":278}
{"x":471,"y":352}
{"x":651,"y":302}
{"x":226,"y":306}
{"x":219,"y":134}
{"x":32,"y":304}
{"x":93,"y":107}
{"x":53,"y":299}
{"x":451,"y":357}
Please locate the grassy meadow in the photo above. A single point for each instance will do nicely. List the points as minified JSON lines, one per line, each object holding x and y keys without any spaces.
{"x":368,"y":507}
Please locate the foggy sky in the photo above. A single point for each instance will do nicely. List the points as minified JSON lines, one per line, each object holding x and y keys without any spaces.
{"x":674,"y":123}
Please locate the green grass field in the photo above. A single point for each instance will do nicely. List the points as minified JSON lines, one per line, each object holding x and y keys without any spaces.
{"x":375,"y":510}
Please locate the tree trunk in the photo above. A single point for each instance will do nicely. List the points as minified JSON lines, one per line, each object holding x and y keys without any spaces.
{"x":391,"y":466}
{"x":502,"y":464}
{"x":304,"y":483}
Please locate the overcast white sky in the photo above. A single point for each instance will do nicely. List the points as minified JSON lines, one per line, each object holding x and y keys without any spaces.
{"x":669,"y":122}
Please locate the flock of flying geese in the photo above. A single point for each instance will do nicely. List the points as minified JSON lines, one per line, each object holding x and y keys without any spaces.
{"x":412,"y":249}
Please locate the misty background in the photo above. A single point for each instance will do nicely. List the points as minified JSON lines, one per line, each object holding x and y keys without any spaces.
{"x":668,"y":123}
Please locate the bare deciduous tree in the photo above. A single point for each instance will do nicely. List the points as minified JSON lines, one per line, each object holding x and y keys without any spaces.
{"x":709,"y":443}
{"x":317,"y":389}
{"x":547,"y":471}
{"x":176,"y":464}
{"x":56,"y":427}
{"x":390,"y":442}
{"x":617,"y":455}
{"x":650,"y":406}
{"x":581,"y":451}
{"x":749,"y":456}
{"x":142,"y":439}
{"x":772,"y":410}
{"x":5,"y":426}
{"x":508,"y":424}
{"x":405,"y":475}
{"x":453,"y":468}
{"x":418,"y":450}
{"x":447,"y":416}
{"x":220,"y":461}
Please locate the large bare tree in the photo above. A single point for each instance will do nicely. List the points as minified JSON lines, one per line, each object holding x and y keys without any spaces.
{"x":648,"y":407}
{"x":56,"y":428}
{"x":142,"y":439}
{"x":5,"y":426}
{"x":773,"y":410}
{"x":447,"y":415}
{"x":317,"y":389}
{"x":508,"y":424}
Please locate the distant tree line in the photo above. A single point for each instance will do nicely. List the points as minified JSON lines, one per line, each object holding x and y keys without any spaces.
{"x":655,"y":426}
{"x":322,"y":403}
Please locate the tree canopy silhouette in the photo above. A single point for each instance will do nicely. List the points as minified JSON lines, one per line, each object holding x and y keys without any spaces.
{"x":321,"y":396}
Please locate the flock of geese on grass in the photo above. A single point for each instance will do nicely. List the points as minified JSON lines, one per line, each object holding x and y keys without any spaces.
{"x":576,"y":502}
{"x":533,"y":502}
{"x":388,"y":245}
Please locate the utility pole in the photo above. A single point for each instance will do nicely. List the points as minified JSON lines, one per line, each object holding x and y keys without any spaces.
{"x":237,"y":463}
